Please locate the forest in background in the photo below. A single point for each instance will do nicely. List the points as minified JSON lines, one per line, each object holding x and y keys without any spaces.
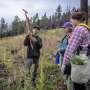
{"x":45,"y":22}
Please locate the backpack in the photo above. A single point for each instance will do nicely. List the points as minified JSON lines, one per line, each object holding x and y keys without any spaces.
{"x":88,"y":27}
{"x":80,"y":73}
{"x":85,"y":25}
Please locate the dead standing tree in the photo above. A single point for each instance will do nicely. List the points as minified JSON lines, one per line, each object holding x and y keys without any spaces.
{"x":84,"y":7}
{"x":27,"y":26}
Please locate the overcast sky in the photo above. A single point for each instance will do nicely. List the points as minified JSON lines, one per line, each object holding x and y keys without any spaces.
{"x":10,"y":8}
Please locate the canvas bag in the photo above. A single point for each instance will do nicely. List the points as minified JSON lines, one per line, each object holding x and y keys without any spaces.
{"x":81,"y":73}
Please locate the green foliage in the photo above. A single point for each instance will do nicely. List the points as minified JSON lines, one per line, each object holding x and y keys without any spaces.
{"x":47,"y":79}
{"x":3,"y":27}
{"x":5,"y":57}
{"x":77,"y":60}
{"x":49,"y":76}
{"x":51,"y":81}
{"x":15,"y":25}
{"x":45,"y":22}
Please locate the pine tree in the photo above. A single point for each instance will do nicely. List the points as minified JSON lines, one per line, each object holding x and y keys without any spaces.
{"x":15,"y":25}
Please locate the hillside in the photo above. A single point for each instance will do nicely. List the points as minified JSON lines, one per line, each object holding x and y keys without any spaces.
{"x":12,"y":62}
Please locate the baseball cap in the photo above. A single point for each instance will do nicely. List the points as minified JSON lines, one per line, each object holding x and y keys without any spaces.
{"x":67,"y":25}
{"x":37,"y":27}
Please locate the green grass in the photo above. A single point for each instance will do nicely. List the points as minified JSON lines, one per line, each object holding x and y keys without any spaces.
{"x":48,"y":74}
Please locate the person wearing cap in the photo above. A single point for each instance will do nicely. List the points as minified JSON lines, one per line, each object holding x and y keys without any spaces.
{"x":68,"y":29}
{"x":33,"y":44}
{"x":80,"y":39}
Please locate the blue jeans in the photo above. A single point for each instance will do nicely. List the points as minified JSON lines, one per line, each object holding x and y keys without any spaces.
{"x":29,"y":63}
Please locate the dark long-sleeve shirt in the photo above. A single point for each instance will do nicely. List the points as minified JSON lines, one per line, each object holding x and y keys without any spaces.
{"x":36,"y":44}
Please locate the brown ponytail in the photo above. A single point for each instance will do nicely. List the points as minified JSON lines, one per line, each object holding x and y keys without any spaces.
{"x":80,"y":16}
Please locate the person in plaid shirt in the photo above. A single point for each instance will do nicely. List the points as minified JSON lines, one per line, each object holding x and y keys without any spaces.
{"x":80,"y":37}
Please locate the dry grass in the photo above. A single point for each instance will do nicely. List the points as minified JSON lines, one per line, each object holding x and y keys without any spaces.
{"x":16,"y":61}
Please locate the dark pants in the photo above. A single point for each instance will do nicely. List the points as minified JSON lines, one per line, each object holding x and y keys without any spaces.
{"x":67,"y":70}
{"x":77,"y":86}
{"x":29,"y":63}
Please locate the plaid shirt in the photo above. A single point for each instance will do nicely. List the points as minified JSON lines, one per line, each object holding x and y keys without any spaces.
{"x":80,"y":37}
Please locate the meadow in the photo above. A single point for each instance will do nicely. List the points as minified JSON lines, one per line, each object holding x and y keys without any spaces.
{"x":12,"y":63}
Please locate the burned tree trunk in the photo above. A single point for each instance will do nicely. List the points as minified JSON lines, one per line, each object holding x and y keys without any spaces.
{"x":84,"y":7}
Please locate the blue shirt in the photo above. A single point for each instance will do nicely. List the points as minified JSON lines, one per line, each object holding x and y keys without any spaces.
{"x":63,"y":45}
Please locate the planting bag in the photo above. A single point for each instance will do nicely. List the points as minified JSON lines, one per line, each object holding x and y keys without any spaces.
{"x":80,"y":73}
